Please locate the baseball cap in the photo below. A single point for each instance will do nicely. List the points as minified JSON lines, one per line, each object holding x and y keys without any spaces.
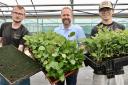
{"x":105,"y":4}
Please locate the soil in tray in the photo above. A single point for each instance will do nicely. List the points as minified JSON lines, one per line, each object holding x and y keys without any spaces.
{"x":15,"y":65}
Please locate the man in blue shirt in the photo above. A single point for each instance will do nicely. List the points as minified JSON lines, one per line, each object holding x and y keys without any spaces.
{"x":65,"y":29}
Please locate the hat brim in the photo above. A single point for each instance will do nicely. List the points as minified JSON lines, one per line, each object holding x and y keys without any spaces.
{"x":105,"y":7}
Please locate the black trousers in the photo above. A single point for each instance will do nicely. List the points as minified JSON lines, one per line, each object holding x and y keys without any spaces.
{"x":70,"y":80}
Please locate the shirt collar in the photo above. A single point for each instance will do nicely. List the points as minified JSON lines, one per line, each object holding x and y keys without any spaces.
{"x":62,"y":26}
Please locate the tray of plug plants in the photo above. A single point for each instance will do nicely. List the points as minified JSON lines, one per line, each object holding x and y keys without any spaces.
{"x":108,"y":50}
{"x":58,"y":56}
{"x":15,"y":65}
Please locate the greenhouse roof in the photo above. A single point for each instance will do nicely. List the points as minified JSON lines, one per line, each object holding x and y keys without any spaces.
{"x":53,"y":7}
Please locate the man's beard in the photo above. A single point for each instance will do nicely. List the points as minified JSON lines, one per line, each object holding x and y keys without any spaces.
{"x":66,"y":21}
{"x":16,"y":21}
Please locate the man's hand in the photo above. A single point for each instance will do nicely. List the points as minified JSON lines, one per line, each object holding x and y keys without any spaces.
{"x":20,"y":48}
{"x":1,"y":42}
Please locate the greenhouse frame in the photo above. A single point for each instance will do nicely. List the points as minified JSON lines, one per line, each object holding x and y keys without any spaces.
{"x":44,"y":16}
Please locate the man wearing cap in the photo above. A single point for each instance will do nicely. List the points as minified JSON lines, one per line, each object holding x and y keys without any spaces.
{"x":100,"y":77}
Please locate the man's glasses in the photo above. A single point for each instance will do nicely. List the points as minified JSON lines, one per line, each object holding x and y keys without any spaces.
{"x":20,"y":14}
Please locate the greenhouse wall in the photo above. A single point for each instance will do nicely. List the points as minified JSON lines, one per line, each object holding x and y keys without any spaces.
{"x":44,"y":25}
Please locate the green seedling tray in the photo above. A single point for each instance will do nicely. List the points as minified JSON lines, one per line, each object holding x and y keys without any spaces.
{"x":15,"y":65}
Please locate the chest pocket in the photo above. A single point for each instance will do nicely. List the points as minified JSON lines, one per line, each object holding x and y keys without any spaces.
{"x":73,"y":37}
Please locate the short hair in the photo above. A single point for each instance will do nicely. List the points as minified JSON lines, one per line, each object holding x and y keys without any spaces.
{"x":67,"y":8}
{"x":19,"y":7}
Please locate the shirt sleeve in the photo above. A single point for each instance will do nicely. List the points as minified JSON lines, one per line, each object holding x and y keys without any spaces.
{"x":94,"y":31}
{"x":123,"y":27}
{"x":56,"y":29}
{"x":1,"y":29}
{"x":25,"y":32}
{"x":80,"y":33}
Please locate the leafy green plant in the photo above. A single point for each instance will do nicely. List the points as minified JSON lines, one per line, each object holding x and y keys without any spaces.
{"x":107,"y":43}
{"x":56,"y":54}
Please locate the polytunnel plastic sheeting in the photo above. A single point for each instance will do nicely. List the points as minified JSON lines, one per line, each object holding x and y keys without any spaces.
{"x":54,"y":6}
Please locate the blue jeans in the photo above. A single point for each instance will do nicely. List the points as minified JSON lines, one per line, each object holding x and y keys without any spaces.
{"x":70,"y":80}
{"x":22,"y":82}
